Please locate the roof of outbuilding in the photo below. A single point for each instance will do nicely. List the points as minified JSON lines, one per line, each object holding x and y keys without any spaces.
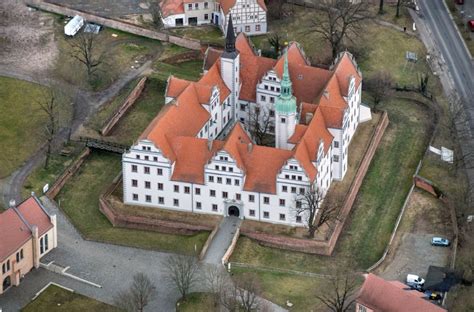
{"x":381,"y":295}
{"x":171,"y":7}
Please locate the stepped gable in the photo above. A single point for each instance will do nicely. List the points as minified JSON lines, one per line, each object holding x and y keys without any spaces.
{"x":192,"y":154}
{"x":226,"y":5}
{"x":345,"y":68}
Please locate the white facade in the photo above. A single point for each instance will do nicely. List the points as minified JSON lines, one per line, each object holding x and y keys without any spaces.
{"x":148,"y":173}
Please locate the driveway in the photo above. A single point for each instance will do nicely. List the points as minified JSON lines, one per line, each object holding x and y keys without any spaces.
{"x":222,"y":240}
{"x":424,"y":218}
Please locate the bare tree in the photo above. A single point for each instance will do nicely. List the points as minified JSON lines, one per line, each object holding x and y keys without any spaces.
{"x":242,"y":295}
{"x":49,"y":104}
{"x":182,"y":272}
{"x":216,"y":281}
{"x":402,"y":3}
{"x":259,"y":125}
{"x":85,"y":50}
{"x":340,"y":20}
{"x":309,"y":206}
{"x":275,"y":41}
{"x":380,"y":86}
{"x":137,"y":297}
{"x":339,"y":294}
{"x":155,"y":12}
{"x":276,"y":9}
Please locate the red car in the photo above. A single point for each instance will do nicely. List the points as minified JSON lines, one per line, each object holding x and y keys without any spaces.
{"x":470,"y":24}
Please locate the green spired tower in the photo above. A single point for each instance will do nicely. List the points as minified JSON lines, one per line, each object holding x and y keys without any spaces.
{"x":285,"y":110}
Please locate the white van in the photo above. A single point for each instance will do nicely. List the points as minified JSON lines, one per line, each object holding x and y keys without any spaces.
{"x":415,"y":279}
{"x":74,"y":25}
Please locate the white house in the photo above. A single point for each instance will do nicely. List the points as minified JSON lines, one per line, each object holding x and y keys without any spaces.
{"x":249,"y":16}
{"x":197,"y":155}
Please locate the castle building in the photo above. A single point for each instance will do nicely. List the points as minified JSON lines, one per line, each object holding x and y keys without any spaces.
{"x":198,"y":156}
{"x":249,"y":16}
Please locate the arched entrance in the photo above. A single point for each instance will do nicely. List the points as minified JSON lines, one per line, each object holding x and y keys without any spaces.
{"x":6,"y":283}
{"x":233,"y":211}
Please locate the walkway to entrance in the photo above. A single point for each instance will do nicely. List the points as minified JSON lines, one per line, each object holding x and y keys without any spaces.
{"x":234,"y":211}
{"x":222,"y":239}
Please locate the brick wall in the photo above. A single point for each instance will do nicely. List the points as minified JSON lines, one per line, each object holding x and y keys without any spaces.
{"x":327,"y":247}
{"x":115,"y":24}
{"x":67,"y":174}
{"x":127,"y":104}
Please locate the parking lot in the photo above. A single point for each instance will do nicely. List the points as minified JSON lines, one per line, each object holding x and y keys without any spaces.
{"x":424,"y":218}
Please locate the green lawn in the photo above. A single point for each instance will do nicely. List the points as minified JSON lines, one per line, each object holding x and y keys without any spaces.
{"x":120,"y":53}
{"x":55,"y":298}
{"x":196,"y":302}
{"x":21,"y":122}
{"x":190,"y":70}
{"x":206,"y":34}
{"x":79,"y":199}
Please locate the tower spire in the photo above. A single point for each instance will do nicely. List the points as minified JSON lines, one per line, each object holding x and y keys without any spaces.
{"x":286,"y":85}
{"x":230,"y":51}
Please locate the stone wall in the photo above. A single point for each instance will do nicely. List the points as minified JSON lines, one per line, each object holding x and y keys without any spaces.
{"x":115,"y":24}
{"x":67,"y":174}
{"x":127,"y":104}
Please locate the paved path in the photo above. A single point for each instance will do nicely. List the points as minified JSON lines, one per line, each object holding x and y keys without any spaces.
{"x":222,"y":240}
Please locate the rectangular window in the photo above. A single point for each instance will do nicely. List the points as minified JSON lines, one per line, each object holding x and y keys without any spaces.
{"x":283,"y":120}
{"x":214,"y":207}
{"x":238,"y":196}
{"x":176,"y":188}
{"x":159,"y":171}
{"x":272,"y":113}
{"x":298,"y":219}
{"x":206,"y":5}
{"x":336,"y":144}
{"x":212,"y":193}
{"x":17,"y":257}
{"x":211,"y":178}
{"x":134,"y":168}
{"x":175,"y":202}
{"x":242,"y":107}
{"x":228,"y":181}
{"x":219,"y":180}
{"x":137,"y":156}
{"x":302,"y":190}
{"x":266,"y":200}
{"x":146,"y":170}
{"x":147,"y":184}
{"x":46,"y":241}
{"x":231,"y":169}
{"x":197,"y":190}
{"x":262,"y":97}
{"x":272,"y":99}
{"x":282,"y":217}
{"x":298,"y":204}
{"x":155,"y":158}
{"x":21,"y":254}
{"x":282,"y":202}
{"x":247,"y":28}
{"x":196,"y":6}
{"x":146,"y":157}
{"x":206,"y":17}
{"x":335,"y":158}
{"x":236,"y":182}
{"x":293,"y":189}
{"x":135,"y":196}
{"x":134,"y":183}
{"x":190,"y":6}
{"x":252,"y":212}
{"x":266,"y":214}
{"x":251,"y":198}
{"x":225,"y":194}
{"x":187,"y":190}
{"x":257,"y":27}
{"x":284,"y":188}
{"x":160,"y":186}
{"x":161,"y":200}
{"x":198,"y":205}
{"x":217,"y":167}
{"x":148,"y":198}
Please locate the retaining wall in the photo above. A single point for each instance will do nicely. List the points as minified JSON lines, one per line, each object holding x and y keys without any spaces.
{"x":67,"y":174}
{"x":230,"y":250}
{"x":131,"y":99}
{"x":115,"y":24}
{"x":327,"y":247}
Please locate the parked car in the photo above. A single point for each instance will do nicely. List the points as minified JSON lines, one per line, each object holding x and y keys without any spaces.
{"x":440,"y":241}
{"x":415,"y":286}
{"x":470,"y":24}
{"x":431,"y":295}
{"x":415,"y":279}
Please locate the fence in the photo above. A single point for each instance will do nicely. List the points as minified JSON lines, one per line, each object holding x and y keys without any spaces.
{"x":116,"y":24}
{"x":326,"y":247}
{"x":67,"y":174}
{"x":120,"y":112}
{"x":208,"y":242}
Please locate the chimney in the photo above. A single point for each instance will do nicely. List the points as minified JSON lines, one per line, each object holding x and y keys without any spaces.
{"x":308,"y":118}
{"x":249,"y":147}
{"x":12,"y":203}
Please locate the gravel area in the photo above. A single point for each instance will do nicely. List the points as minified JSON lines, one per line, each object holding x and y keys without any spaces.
{"x":26,"y":38}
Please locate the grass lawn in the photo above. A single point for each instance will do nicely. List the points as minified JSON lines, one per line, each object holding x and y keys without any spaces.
{"x":196,"y":302}
{"x":55,"y":298}
{"x":79,"y":199}
{"x":190,"y":70}
{"x":120,"y":53}
{"x":41,"y":176}
{"x":21,"y":122}
{"x":206,"y":34}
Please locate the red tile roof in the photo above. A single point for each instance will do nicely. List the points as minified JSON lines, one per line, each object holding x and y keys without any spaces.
{"x":16,"y":224}
{"x":381,"y":295}
{"x":171,"y":7}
